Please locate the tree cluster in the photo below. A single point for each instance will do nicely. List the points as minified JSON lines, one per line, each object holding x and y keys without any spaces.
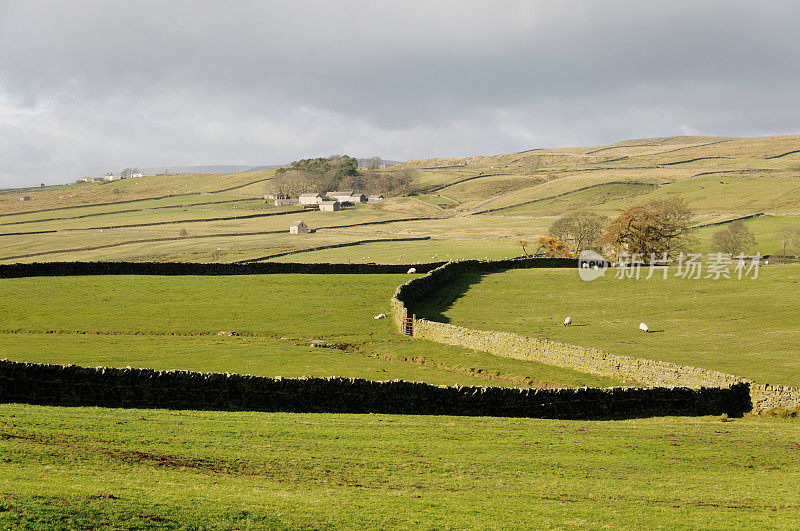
{"x":314,"y":175}
{"x":653,"y":228}
{"x":340,"y":172}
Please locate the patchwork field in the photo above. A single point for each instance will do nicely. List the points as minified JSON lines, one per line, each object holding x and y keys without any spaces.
{"x":268,"y":325}
{"x":745,"y":327}
{"x":474,"y":206}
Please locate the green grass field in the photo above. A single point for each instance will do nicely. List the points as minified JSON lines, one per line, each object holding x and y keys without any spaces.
{"x":764,"y":228}
{"x":69,"y":468}
{"x":131,"y":469}
{"x":745,"y":327}
{"x":175,"y":322}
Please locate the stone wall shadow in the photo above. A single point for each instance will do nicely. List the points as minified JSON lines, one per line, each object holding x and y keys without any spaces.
{"x":442,"y":299}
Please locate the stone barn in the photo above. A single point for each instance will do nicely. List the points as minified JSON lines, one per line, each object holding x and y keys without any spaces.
{"x":341,"y":196}
{"x":356,"y":198}
{"x":298,"y":227}
{"x":330,"y":206}
{"x":310,"y":199}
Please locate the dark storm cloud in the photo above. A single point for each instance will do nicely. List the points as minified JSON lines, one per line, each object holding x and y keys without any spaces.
{"x":92,"y":86}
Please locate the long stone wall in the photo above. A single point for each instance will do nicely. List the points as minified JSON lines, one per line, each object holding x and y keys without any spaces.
{"x":59,"y":385}
{"x":644,"y":371}
{"x":39,"y":269}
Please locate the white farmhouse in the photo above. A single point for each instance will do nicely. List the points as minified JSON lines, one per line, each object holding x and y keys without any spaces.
{"x":298,"y":227}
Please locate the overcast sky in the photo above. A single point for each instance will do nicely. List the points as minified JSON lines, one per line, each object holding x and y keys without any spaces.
{"x":91,"y":86}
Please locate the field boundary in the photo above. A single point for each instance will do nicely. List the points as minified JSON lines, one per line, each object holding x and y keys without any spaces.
{"x":70,"y":385}
{"x":589,"y":360}
{"x":335,"y":246}
{"x":563,"y":194}
{"x":60,"y":269}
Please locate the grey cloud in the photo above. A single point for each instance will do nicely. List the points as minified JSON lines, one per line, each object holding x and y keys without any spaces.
{"x":89,"y":86}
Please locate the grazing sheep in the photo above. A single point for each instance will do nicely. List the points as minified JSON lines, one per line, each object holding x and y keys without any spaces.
{"x":380,"y":316}
{"x":412,"y":270}
{"x":643,"y":327}
{"x":597,"y":267}
{"x":568,"y":321}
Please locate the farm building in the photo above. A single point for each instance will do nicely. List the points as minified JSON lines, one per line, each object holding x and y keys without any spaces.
{"x":330,"y":206}
{"x":310,"y":199}
{"x":279,"y":199}
{"x":342,"y":197}
{"x":374,"y":198}
{"x":356,"y":198}
{"x":108,"y":177}
{"x":298,"y":227}
{"x":25,"y":198}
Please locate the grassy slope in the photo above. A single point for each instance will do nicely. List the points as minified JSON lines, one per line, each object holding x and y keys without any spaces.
{"x":745,"y":327}
{"x":173,"y":322}
{"x":518,"y":184}
{"x":77,"y":467}
{"x":125,"y":190}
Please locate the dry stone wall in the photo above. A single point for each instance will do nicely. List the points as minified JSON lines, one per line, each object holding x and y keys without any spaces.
{"x":59,"y":385}
{"x":39,"y":269}
{"x":644,"y":371}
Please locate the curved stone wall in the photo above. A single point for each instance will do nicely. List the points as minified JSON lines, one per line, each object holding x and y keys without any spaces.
{"x":648,"y":372}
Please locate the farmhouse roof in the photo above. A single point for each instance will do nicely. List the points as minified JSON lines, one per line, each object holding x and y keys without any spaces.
{"x":296,"y":224}
{"x":310,"y":195}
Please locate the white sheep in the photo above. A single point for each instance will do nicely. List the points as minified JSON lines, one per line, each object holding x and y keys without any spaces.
{"x":380,"y":316}
{"x":644,"y":328}
{"x":412,"y":270}
{"x":568,"y":321}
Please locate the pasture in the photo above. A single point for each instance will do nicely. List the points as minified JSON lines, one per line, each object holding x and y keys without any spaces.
{"x":267,"y":322}
{"x":130,"y":469}
{"x":745,"y":327}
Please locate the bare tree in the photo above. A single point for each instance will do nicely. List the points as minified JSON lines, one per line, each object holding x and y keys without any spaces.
{"x":788,"y":240}
{"x":579,"y":231}
{"x":734,"y":239}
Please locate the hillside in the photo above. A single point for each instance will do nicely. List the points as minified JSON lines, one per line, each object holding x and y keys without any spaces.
{"x":466,"y":207}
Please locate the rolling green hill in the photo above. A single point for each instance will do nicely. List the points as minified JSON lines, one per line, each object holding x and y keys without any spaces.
{"x":471,"y":207}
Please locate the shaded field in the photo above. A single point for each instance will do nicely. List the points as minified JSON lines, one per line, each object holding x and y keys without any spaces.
{"x":744,"y":327}
{"x":267,"y":322}
{"x":74,"y":467}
